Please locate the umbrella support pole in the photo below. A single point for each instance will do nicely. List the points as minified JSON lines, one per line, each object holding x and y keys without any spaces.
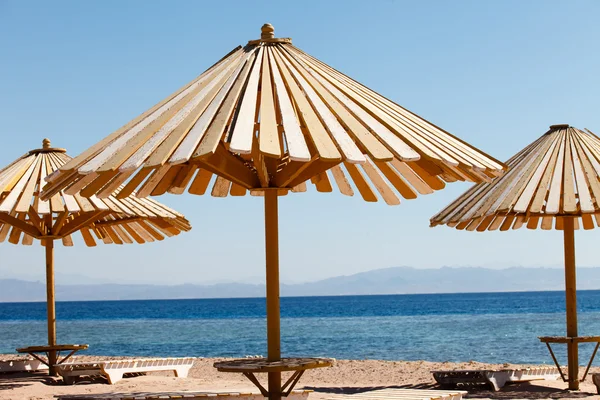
{"x":571,"y":302}
{"x":50,"y":304}
{"x":273,"y":316}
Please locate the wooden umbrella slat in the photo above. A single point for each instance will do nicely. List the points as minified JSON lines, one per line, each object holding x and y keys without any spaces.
{"x":555,"y":192}
{"x":411,"y":176}
{"x":320,"y":139}
{"x":216,"y":129}
{"x":569,"y":195}
{"x":396,"y":180}
{"x":382,"y":187}
{"x":166,"y":181}
{"x":200,"y":182}
{"x":340,"y":180}
{"x":196,"y":113}
{"x":268,"y":133}
{"x":220,"y":187}
{"x":361,"y":184}
{"x":27,"y":240}
{"x":28,"y":191}
{"x":125,"y":238}
{"x":583,"y":190}
{"x":14,"y":174}
{"x":301,"y":187}
{"x":322,"y":183}
{"x":87,"y":237}
{"x":350,"y":150}
{"x":152,"y":181}
{"x":435,"y":137}
{"x":158,"y":108}
{"x":80,"y":183}
{"x":76,"y":203}
{"x":243,"y":131}
{"x":183,"y":178}
{"x":538,"y":203}
{"x":525,"y":174}
{"x":294,"y":139}
{"x":9,"y":203}
{"x":114,"y":153}
{"x":519,"y":221}
{"x":591,"y":176}
{"x":134,"y":182}
{"x":237,"y":190}
{"x":56,"y":203}
{"x":524,"y":202}
{"x":385,"y":136}
{"x":318,"y":73}
{"x":135,"y":234}
{"x":114,"y":184}
{"x":352,"y":125}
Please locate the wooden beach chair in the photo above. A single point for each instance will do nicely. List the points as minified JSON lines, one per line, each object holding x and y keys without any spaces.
{"x":113,"y":370}
{"x":403,"y":394}
{"x":22,"y":365}
{"x":294,"y":395}
{"x":494,"y":379}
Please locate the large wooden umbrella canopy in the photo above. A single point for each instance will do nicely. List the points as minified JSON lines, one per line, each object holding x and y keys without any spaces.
{"x":266,"y":119}
{"x":25,"y":217}
{"x":552,"y":183}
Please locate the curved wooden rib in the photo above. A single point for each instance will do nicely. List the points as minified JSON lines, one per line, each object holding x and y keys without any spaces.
{"x":557,"y":175}
{"x":24,"y":216}
{"x":269,"y":115}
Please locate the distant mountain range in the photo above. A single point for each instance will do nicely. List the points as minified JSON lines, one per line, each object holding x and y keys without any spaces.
{"x":398,"y":280}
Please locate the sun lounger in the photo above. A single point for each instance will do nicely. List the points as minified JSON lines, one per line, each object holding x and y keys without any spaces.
{"x":294,"y":395}
{"x":403,"y":394}
{"x":495,"y":379}
{"x":113,"y":370}
{"x":21,"y":366}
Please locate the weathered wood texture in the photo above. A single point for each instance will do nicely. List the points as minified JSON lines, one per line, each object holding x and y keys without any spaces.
{"x":270,"y":115}
{"x":554,"y":178}
{"x":24,"y":216}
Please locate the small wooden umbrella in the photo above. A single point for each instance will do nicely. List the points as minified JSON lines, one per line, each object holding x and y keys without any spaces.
{"x":553,"y":182}
{"x":267,"y":118}
{"x":25,"y":217}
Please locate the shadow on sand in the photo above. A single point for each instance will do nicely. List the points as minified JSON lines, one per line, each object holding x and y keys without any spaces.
{"x":508,"y":392}
{"x":16,"y":380}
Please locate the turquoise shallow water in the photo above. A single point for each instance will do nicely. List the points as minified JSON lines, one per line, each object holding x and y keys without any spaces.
{"x":487,"y":327}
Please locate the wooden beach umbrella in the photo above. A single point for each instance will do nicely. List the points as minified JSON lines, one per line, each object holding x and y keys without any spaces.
{"x":266,"y":119}
{"x":552,"y":183}
{"x":25,"y":217}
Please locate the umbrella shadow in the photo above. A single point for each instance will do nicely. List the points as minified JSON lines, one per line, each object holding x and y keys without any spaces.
{"x":527,"y":391}
{"x":509,"y":392}
{"x":24,"y":379}
{"x":363,"y":389}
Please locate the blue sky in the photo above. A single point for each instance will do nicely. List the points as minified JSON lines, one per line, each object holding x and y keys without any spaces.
{"x":495,"y":73}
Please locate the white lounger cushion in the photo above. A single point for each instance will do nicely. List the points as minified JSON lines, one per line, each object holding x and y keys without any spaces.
{"x":21,"y":366}
{"x":404,"y":394}
{"x":113,"y":370}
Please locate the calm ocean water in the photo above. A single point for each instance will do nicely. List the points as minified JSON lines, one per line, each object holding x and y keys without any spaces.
{"x":487,"y":327}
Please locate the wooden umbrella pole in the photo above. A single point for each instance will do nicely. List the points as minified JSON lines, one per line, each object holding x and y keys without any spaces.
{"x":273,"y":317}
{"x":50,"y":303}
{"x":571,"y":302}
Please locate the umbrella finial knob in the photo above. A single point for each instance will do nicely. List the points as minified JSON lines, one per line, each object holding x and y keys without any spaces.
{"x":267,"y":31}
{"x":46,"y":143}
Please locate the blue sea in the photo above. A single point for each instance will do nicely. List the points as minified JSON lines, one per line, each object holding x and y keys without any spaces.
{"x":486,"y":327}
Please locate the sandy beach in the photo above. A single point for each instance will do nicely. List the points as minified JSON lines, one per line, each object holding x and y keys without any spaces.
{"x":347,"y":376}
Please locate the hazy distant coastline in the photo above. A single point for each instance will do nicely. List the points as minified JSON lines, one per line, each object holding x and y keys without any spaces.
{"x":396,"y":280}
